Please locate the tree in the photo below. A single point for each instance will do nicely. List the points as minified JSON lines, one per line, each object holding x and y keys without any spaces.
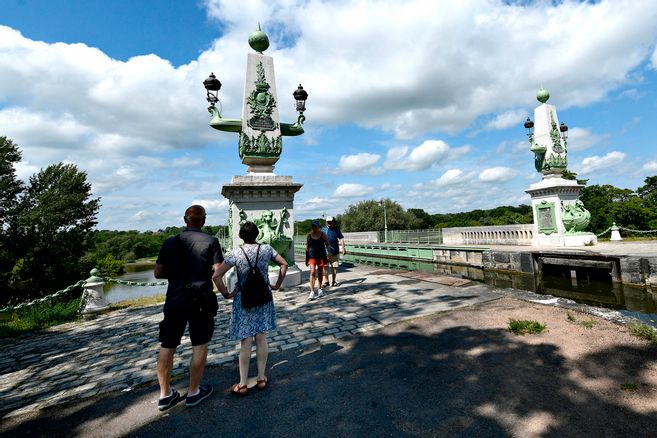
{"x":608,"y":204}
{"x":10,"y":188}
{"x":370,"y":216}
{"x":55,"y":219}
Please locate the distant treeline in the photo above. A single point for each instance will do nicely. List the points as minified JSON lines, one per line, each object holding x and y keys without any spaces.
{"x":113,"y":248}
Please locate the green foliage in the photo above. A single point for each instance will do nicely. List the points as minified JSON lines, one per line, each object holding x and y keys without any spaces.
{"x":10,"y":189}
{"x":644,"y":331}
{"x":40,"y":316}
{"x":629,"y":387}
{"x":370,"y":216}
{"x":109,"y":266}
{"x":53,"y":223}
{"x":523,"y":327}
{"x":634,"y":210}
{"x":588,"y":323}
{"x":45,"y":227}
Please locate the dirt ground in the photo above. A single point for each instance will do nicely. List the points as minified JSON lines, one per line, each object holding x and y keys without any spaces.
{"x":457,"y":374}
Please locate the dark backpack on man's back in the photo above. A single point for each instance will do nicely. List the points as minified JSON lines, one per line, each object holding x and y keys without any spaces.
{"x":255,"y":290}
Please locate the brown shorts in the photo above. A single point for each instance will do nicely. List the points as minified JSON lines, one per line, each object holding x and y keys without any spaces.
{"x":317,"y":262}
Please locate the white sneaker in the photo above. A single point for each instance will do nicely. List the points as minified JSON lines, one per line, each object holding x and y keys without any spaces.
{"x":320,"y":292}
{"x":312,"y":295}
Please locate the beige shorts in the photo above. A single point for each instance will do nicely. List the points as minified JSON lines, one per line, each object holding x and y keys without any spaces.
{"x":335,"y":260}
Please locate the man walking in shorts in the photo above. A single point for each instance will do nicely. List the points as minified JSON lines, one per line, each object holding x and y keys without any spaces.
{"x":187,"y":261}
{"x":336,"y":244}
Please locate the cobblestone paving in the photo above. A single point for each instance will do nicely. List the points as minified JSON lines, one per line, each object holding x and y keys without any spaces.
{"x":118,"y":350}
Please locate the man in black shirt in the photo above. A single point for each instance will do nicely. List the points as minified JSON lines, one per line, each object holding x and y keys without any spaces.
{"x":187,"y":261}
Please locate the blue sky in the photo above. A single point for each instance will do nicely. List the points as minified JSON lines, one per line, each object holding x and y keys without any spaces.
{"x":420,"y":102}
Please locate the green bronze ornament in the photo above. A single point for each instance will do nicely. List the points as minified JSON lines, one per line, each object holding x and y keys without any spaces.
{"x":261,"y":104}
{"x":258,"y":40}
{"x":575,"y":217}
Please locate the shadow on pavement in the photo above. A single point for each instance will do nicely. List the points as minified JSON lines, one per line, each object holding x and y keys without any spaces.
{"x":414,"y":379}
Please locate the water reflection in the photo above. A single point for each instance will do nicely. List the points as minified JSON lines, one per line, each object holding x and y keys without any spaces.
{"x":142,"y":272}
{"x":582,"y":286}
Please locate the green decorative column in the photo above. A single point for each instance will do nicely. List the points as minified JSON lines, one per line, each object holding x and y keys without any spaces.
{"x":559,"y":216}
{"x":261,"y":196}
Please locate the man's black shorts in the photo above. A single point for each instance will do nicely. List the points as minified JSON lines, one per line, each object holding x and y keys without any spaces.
{"x":172,"y":328}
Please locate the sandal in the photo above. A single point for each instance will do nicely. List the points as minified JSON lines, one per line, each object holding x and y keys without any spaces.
{"x":239,"y":390}
{"x":335,"y":284}
{"x":262,"y":384}
{"x":325,"y":284}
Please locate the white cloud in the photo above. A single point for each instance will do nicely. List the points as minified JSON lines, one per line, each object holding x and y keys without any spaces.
{"x":212,"y":206}
{"x":580,"y":139}
{"x":358,"y":163}
{"x":419,"y":158}
{"x":497,"y":174}
{"x":497,"y":69}
{"x":596,"y":163}
{"x":352,"y":190}
{"x":650,"y":166}
{"x":507,"y":119}
{"x":83,"y":106}
{"x":451,"y":176}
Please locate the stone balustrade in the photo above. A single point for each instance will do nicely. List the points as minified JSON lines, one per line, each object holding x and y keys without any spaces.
{"x":489,"y":235}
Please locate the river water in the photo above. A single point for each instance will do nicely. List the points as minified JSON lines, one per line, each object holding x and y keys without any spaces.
{"x":143,"y":273}
{"x":600,"y":292}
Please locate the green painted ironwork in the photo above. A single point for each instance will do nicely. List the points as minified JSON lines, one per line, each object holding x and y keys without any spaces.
{"x":545,"y":218}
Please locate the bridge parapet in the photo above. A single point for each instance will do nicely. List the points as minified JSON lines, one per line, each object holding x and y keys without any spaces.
{"x":521,"y":234}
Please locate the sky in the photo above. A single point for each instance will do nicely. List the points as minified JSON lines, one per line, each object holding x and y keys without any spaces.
{"x":418,"y":101}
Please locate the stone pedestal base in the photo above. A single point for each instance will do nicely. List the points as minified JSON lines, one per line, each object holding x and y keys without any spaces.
{"x":548,"y":199}
{"x":252,"y":195}
{"x":292,"y":278}
{"x":584,"y":239}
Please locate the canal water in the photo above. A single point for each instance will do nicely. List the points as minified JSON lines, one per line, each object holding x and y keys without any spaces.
{"x":592,"y":288}
{"x":142,"y":272}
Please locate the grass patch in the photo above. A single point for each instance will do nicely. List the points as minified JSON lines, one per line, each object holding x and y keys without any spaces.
{"x":629,"y":386}
{"x":588,"y":323}
{"x":39,"y":316}
{"x":643,"y":331}
{"x":524,"y":327}
{"x":138,"y":302}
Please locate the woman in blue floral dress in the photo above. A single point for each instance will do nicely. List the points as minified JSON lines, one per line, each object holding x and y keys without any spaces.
{"x":247,"y":323}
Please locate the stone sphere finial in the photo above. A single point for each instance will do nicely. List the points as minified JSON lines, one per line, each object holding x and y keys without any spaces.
{"x":543,"y":95}
{"x":258,"y":40}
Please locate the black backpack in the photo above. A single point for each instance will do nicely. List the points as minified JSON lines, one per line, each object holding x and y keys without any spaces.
{"x":255,"y":290}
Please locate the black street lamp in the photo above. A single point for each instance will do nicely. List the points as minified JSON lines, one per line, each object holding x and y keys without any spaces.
{"x":300,"y":95}
{"x":212,"y":85}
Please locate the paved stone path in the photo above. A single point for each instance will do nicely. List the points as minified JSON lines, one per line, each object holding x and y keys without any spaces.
{"x":118,"y":350}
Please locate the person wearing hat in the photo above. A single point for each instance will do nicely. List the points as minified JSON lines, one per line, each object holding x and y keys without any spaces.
{"x":336,"y":245}
{"x":317,"y":257}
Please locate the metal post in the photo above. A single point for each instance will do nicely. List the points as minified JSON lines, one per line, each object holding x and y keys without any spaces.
{"x":385,"y":223}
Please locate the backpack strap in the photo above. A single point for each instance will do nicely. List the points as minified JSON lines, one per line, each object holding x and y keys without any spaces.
{"x":247,"y":257}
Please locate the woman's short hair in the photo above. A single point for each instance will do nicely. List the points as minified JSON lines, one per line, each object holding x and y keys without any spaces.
{"x":249,"y":232}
